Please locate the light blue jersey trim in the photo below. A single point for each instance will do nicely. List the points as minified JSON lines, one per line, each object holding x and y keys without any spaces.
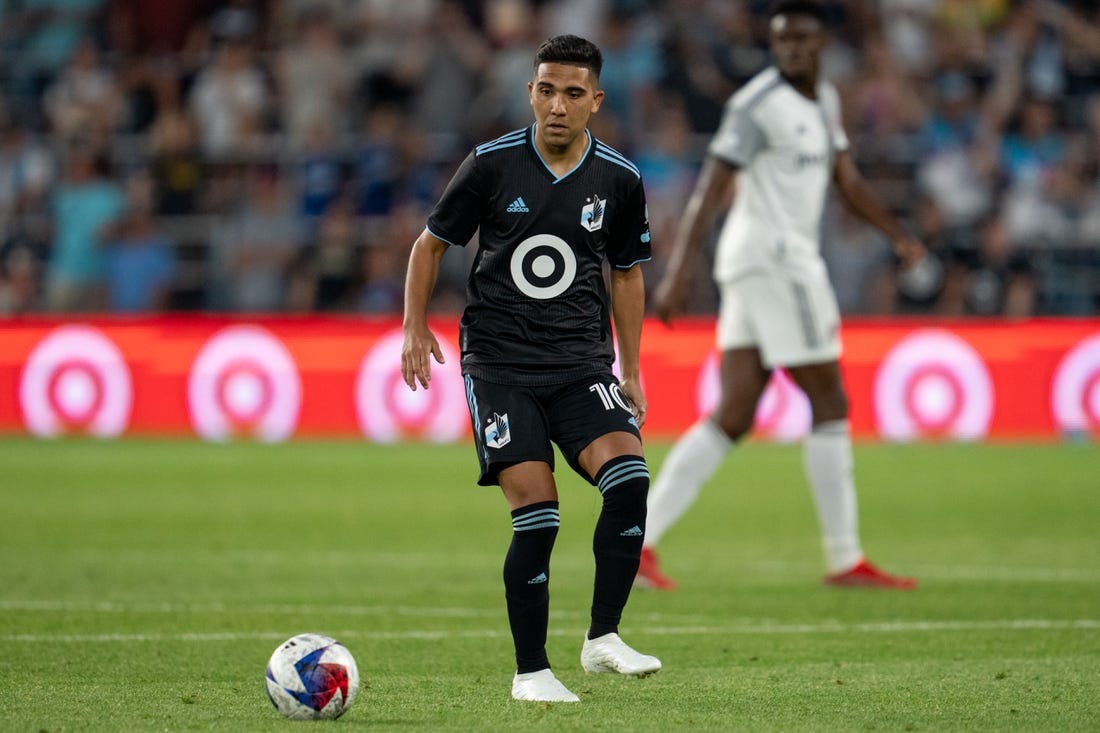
{"x":517,"y":137}
{"x":602,"y":147}
{"x":558,"y":178}
{"x":618,"y":161}
{"x":441,"y":239}
{"x":635,"y":262}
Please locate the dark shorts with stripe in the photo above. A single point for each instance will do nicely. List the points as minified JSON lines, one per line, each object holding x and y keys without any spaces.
{"x":516,"y":424}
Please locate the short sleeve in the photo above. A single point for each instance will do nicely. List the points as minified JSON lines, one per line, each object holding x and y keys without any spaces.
{"x":458,"y":212}
{"x":739,"y":138}
{"x":830,"y":102}
{"x":630,"y":241}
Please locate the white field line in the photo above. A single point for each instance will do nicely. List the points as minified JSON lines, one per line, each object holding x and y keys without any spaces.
{"x":775,"y":569}
{"x":737,"y":629}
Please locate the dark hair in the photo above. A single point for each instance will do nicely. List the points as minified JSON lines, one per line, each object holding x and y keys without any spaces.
{"x":800,"y":7}
{"x":570,"y":50}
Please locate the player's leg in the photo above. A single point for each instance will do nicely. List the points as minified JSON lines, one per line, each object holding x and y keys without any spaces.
{"x":827,"y":457}
{"x":592,"y":423}
{"x":700,"y":451}
{"x":532,"y":498}
{"x":619,"y":470}
{"x":514,"y":451}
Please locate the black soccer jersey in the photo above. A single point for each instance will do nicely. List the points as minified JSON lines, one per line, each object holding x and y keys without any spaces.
{"x":537,"y":306}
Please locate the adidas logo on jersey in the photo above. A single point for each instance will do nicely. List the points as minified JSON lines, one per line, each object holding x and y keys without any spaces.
{"x":519,"y":206}
{"x":540,"y":578}
{"x":634,"y":531}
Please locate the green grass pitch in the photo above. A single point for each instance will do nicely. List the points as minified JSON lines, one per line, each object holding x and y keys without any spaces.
{"x":144,"y":583}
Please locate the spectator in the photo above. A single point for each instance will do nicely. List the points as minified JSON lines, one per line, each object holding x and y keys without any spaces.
{"x":320,"y":172}
{"x":314,"y":80}
{"x":85,"y":98}
{"x":261,"y":242}
{"x":1030,"y":152}
{"x":26,"y":170}
{"x":328,"y":276}
{"x":176,"y":164}
{"x":84,"y":205}
{"x":140,"y":261}
{"x":228,"y":99}
{"x":383,"y":281}
{"x":22,"y":261}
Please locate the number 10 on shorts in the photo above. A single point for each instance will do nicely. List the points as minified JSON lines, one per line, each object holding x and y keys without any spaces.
{"x":610,"y":395}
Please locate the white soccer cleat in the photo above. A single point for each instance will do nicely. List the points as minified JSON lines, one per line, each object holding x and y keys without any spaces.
{"x":609,"y":653}
{"x":541,"y":686}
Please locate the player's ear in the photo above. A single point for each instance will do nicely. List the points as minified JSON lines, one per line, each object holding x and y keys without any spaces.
{"x":597,"y":100}
{"x":531,"y":92}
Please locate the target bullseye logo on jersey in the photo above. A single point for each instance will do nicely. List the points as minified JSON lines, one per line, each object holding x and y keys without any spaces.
{"x":932,"y":383}
{"x":244,"y":382}
{"x":1075,"y":391}
{"x":387,"y":410}
{"x":543,"y":266}
{"x":592,"y":213}
{"x":76,"y":379}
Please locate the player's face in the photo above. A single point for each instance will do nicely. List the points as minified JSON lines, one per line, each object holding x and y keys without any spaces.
{"x":796,"y":42}
{"x":563,"y":97}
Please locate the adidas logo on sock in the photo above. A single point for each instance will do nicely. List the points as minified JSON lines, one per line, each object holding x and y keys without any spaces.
{"x":540,"y":578}
{"x":519,"y":206}
{"x":634,"y":531}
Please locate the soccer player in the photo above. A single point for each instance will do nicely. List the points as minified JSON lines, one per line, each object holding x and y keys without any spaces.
{"x":778,"y":147}
{"x":553,"y":203}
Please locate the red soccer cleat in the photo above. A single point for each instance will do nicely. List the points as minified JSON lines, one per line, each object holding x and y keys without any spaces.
{"x":649,"y":573}
{"x":865,"y":575}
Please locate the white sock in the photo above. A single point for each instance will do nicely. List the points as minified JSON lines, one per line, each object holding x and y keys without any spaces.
{"x":827,"y":453}
{"x":690,"y":464}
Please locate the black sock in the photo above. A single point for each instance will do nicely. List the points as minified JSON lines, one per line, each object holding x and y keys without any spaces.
{"x":617,"y":541}
{"x":527,"y":580}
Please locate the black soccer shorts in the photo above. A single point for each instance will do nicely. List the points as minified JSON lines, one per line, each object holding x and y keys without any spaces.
{"x":516,"y":424}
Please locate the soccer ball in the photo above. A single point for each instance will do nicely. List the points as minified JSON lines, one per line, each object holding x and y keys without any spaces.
{"x":312,"y":676}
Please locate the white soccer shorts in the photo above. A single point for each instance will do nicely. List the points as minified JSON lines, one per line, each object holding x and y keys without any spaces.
{"x":791,"y":321}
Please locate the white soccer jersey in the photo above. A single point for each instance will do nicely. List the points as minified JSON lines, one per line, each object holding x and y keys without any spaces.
{"x":785,"y":146}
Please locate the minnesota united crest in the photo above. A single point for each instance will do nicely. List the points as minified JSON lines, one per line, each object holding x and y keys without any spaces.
{"x":592,"y":214}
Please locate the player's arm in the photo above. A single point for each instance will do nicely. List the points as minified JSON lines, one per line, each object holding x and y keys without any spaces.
{"x":420,"y":344}
{"x":628,"y":310}
{"x":863,"y":201}
{"x":712,"y":194}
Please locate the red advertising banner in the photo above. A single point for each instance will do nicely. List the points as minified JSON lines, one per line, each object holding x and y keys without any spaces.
{"x":275,"y":378}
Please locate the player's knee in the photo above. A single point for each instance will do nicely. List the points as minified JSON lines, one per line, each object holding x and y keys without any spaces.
{"x":624,"y":482}
{"x":828,"y":406}
{"x":734,"y":422}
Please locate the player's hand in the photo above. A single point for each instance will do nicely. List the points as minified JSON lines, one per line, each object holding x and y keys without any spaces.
{"x":670,"y":298}
{"x":909,"y":250}
{"x":632,"y":390}
{"x":419,"y":346}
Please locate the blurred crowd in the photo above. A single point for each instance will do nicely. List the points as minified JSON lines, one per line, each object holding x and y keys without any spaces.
{"x":282,"y":155}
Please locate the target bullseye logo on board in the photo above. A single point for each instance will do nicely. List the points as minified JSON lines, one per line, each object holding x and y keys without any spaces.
{"x":388,"y":410}
{"x":244,"y":383}
{"x":932,"y":383}
{"x":783,"y":413}
{"x":1075,"y":392}
{"x":543,"y":266}
{"x":76,"y":380}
